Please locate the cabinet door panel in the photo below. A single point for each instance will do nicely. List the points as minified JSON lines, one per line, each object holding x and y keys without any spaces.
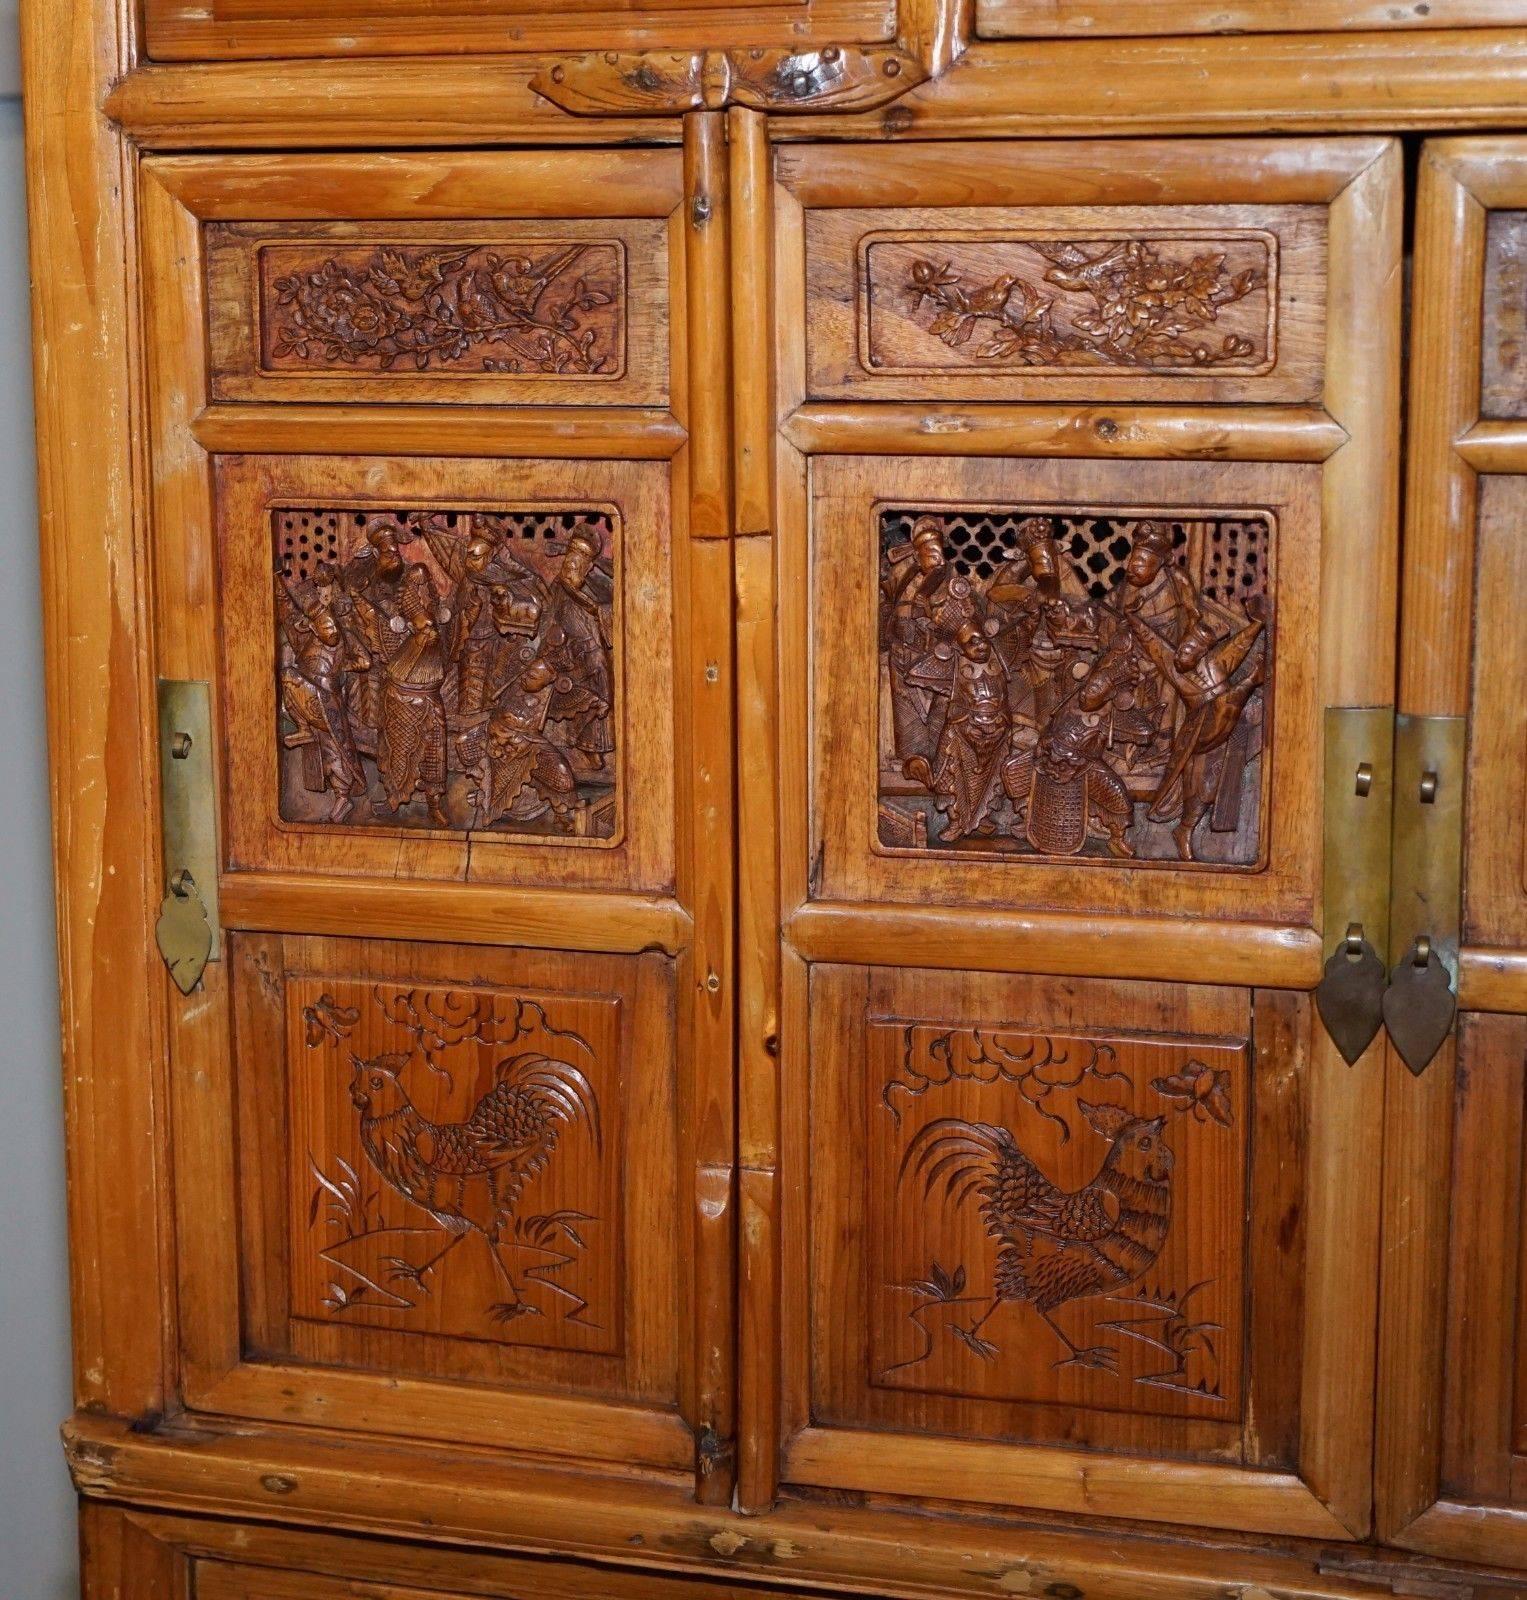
{"x":441,"y":1103}
{"x":1452,"y":1451}
{"x":1077,"y":1205}
{"x":565,"y":311}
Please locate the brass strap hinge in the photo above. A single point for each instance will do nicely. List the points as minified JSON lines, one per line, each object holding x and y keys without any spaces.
{"x":188,"y":930}
{"x":1392,"y":881}
{"x":1426,"y":885}
{"x":1359,"y":749}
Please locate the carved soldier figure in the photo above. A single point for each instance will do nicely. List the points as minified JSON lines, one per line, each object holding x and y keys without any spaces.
{"x":577,"y":640}
{"x":1203,"y":669}
{"x":402,"y":615}
{"x":478,"y":565}
{"x":974,"y":738}
{"x":927,"y":604}
{"x":523,"y":772}
{"x":312,"y":692}
{"x":1037,"y":609}
{"x":1154,"y":588}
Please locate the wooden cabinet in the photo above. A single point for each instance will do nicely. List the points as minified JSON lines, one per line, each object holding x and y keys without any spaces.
{"x":814,"y":822}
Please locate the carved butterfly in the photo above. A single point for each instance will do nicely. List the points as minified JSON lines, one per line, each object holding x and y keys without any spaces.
{"x":1198,"y":1087}
{"x":328,"y":1018}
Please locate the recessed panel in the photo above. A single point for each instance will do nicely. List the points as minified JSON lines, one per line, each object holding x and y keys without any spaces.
{"x":560,"y":312}
{"x":1503,"y":336}
{"x":449,"y":669}
{"x":1066,"y":302}
{"x":458,"y":1162}
{"x":1062,"y":1215}
{"x":1086,"y":683}
{"x":1038,"y":682}
{"x":1034,"y":1212}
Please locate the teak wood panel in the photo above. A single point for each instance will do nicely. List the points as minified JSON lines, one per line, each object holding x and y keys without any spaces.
{"x":451,"y":1204}
{"x":946,"y":767}
{"x":1048,"y":271}
{"x":1160,"y":1313}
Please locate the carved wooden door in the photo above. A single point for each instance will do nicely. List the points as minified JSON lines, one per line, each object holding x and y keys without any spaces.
{"x":1453,"y":1376}
{"x":1086,"y":510}
{"x":452,"y":1108}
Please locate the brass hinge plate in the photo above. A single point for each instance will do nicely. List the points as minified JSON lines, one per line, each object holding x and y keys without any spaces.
{"x":189,"y":930}
{"x":1359,"y":750}
{"x":1426,"y":884}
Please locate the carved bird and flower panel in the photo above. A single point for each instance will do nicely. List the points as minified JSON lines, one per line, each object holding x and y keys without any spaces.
{"x":1170,"y":303}
{"x":449,"y":668}
{"x":995,"y":302}
{"x":454,"y":1161}
{"x":570,"y":312}
{"x":1085,"y":683}
{"x":1060,"y":1216}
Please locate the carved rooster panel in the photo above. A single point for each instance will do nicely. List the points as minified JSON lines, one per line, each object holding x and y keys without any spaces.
{"x":453,"y":1158}
{"x":1076,"y":682}
{"x":450,"y":668}
{"x":1065,"y":1216}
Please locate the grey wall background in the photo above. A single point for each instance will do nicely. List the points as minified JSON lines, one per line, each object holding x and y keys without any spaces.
{"x":37,"y":1546}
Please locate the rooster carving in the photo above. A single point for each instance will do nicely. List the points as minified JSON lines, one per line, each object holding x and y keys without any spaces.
{"x":1055,"y":1245}
{"x":469,"y":1175}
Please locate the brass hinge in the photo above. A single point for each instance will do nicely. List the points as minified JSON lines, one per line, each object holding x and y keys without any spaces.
{"x":188,"y":930}
{"x":1392,"y":880}
{"x":1426,"y":878}
{"x":1359,"y":750}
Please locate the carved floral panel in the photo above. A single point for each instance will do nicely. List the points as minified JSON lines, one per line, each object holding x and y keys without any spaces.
{"x":1503,"y":354}
{"x":1062,"y":1216}
{"x":1170,"y":303}
{"x":565,"y":311}
{"x":454,"y":1159}
{"x":1075,"y":682}
{"x":449,"y":668}
{"x":531,"y":307}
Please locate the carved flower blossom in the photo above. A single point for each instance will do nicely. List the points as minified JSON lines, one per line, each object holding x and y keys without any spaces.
{"x":349,"y":314}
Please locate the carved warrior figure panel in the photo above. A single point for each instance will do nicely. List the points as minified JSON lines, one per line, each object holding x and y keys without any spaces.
{"x":1167,"y":304}
{"x":531,"y":307}
{"x":449,"y":669}
{"x":1063,"y":1216}
{"x":454,"y":1161}
{"x":1075,"y":682}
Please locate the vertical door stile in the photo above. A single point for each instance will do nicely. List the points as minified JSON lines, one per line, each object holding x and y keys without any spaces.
{"x":1435,"y":647}
{"x":708,"y":882}
{"x":757,"y":789}
{"x":1360,"y":513}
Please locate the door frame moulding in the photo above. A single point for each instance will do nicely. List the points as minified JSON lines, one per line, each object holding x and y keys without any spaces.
{"x":1294,"y":83}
